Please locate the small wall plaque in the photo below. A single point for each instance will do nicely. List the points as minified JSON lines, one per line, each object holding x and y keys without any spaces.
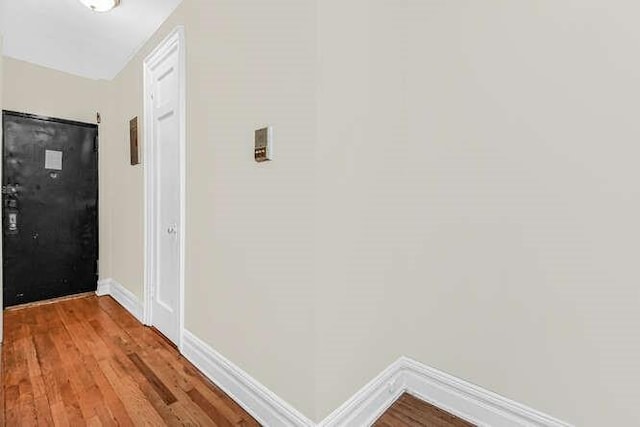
{"x":133,"y":136}
{"x":263,"y":144}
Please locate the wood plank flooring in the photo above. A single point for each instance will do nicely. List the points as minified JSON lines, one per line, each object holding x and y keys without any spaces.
{"x":87,"y":361}
{"x":409,"y":411}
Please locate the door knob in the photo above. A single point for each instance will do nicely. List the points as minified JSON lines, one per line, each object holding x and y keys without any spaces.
{"x":172,"y":230}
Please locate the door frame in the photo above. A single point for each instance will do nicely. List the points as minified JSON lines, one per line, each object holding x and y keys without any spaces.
{"x":176,"y":39}
{"x":97,"y":153}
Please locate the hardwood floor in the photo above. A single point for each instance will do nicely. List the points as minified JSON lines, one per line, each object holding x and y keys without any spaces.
{"x":409,"y":411}
{"x":87,"y":361}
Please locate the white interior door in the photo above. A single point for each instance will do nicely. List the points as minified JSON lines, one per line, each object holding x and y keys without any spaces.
{"x":165,"y":186}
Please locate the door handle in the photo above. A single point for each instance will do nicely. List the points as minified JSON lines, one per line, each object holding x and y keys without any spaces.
{"x":172,"y":229}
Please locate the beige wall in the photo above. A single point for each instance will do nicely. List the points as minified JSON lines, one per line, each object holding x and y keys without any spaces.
{"x":361,"y":158}
{"x":528,"y":228}
{"x":479,"y":177}
{"x":471,"y":196}
{"x":249,"y":229}
{"x":38,"y":90}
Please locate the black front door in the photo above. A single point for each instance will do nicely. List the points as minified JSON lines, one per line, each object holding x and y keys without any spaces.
{"x":49,"y":208}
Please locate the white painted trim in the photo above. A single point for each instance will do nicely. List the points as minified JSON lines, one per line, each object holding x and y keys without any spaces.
{"x":371,"y":401}
{"x":176,"y":37}
{"x":122,"y":295}
{"x":459,"y":397}
{"x":104,"y":287}
{"x":1,"y":174}
{"x":263,"y":404}
{"x":468,"y":401}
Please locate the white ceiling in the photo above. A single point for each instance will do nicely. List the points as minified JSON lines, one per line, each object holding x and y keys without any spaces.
{"x":66,"y":36}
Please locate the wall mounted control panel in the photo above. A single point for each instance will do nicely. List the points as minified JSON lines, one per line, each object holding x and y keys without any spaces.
{"x":264,"y":144}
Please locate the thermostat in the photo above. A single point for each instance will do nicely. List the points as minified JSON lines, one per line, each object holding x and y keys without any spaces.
{"x":264,"y":144}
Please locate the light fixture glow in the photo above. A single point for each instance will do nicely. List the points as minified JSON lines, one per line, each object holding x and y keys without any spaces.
{"x":100,"y":5}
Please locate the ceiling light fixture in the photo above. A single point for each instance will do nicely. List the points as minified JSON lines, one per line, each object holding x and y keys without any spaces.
{"x":100,"y":5}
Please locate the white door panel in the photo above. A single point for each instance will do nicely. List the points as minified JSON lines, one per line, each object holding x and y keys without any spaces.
{"x":164,"y":95}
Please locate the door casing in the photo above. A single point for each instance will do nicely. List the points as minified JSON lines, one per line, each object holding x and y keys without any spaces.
{"x":175,"y":38}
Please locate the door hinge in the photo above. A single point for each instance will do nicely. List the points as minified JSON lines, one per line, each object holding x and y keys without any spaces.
{"x":95,"y":143}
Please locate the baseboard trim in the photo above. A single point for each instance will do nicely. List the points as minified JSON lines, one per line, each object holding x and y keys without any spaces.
{"x":371,"y":401}
{"x":122,"y":295}
{"x":264,"y":405}
{"x":104,"y":287}
{"x":461,"y":398}
{"x":468,"y":401}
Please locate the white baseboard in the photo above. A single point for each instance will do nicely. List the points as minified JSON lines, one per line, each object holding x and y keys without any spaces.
{"x":104,"y":287}
{"x":122,"y":295}
{"x":456,"y":396}
{"x":469,"y":401}
{"x":264,"y":405}
{"x":459,"y":397}
{"x":371,"y":401}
